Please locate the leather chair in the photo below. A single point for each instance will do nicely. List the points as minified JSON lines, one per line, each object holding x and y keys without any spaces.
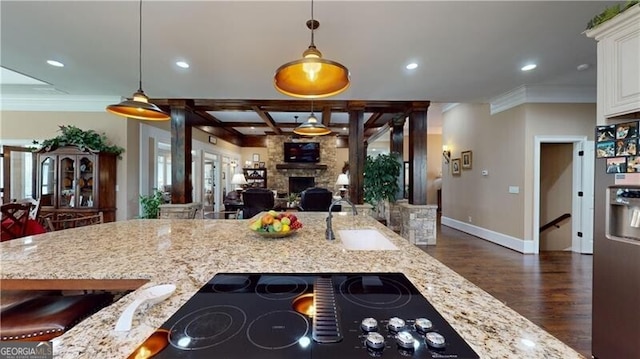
{"x":317,"y":199}
{"x":45,"y":317}
{"x":256,"y":200}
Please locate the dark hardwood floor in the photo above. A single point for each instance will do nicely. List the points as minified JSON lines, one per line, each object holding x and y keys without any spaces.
{"x":552,"y":289}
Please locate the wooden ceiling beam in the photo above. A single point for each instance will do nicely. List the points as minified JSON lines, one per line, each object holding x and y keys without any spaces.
{"x":212,"y":125}
{"x":267,"y":119}
{"x":326,"y":116}
{"x":297,"y":105}
{"x":370,"y":123}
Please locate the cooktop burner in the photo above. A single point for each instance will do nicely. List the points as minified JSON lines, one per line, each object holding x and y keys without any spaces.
{"x":319,"y":315}
{"x":207,"y":327}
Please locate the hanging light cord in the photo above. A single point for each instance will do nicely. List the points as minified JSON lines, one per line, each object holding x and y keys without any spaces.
{"x":140,"y":51}
{"x":313,"y":26}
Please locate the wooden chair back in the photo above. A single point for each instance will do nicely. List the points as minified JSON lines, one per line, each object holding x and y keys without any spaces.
{"x":13,"y":221}
{"x":35,"y":207}
{"x":177,"y":211}
{"x":73,"y":220}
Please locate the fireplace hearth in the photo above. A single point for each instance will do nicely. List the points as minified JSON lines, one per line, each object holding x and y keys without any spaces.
{"x":299,"y":184}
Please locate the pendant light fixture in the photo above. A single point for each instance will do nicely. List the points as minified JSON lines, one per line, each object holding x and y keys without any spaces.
{"x":312,"y":127}
{"x":139,"y":107}
{"x":312,"y":76}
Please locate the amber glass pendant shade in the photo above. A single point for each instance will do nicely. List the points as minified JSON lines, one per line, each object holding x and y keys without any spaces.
{"x":311,"y":77}
{"x":312,"y":128}
{"x":139,"y":107}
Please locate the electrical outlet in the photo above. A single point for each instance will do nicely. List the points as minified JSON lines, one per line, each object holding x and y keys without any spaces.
{"x":470,"y":221}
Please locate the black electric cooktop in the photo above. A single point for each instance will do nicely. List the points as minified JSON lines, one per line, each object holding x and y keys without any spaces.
{"x":331,"y":315}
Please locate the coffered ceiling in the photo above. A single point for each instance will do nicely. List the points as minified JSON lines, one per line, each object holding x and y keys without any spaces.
{"x":466,"y":51}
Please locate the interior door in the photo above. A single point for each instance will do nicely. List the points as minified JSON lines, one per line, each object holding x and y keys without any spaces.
{"x":18,"y":173}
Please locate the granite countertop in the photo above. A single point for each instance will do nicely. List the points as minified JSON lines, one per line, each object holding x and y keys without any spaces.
{"x":190,"y":252}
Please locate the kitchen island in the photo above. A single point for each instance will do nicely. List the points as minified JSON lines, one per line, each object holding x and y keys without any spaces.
{"x":188,"y":253}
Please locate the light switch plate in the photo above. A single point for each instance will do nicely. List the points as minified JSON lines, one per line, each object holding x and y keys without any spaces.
{"x":514,"y":189}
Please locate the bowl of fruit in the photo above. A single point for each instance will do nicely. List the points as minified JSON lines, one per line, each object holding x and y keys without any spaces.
{"x":275,"y":224}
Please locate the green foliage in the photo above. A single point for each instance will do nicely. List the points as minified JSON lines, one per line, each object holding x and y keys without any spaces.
{"x":609,"y":12}
{"x":85,"y":140}
{"x":381,"y":178}
{"x":151,"y":204}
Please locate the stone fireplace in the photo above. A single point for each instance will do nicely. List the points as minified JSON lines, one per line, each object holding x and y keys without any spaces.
{"x":324,"y":173}
{"x":299,"y":184}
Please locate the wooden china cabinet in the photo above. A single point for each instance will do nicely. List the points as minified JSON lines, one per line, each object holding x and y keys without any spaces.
{"x":78,"y":181}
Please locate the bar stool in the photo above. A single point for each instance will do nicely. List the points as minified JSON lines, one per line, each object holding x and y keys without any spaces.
{"x":46,"y":317}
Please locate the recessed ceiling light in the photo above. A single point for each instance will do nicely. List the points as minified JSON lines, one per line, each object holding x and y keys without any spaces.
{"x":344,"y":128}
{"x":55,"y":63}
{"x":253,"y":128}
{"x":582,"y":67}
{"x":528,"y":67}
{"x":182,"y":64}
{"x":412,"y":66}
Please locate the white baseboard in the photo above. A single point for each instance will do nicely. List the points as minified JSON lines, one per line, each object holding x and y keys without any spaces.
{"x":504,"y":240}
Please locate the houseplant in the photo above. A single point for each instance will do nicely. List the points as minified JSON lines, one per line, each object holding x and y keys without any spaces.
{"x":151,"y":204}
{"x":85,"y":140}
{"x":381,"y":175}
{"x":609,"y":13}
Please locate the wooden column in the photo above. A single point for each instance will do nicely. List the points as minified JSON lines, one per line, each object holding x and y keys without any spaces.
{"x":397,"y":139}
{"x":418,"y":156}
{"x":181,"y":181}
{"x":357,"y":154}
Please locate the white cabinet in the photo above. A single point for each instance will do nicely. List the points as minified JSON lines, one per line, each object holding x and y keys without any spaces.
{"x":618,"y":65}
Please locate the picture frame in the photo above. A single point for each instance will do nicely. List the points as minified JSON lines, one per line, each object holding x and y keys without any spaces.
{"x":617,"y":165}
{"x":605,"y":149}
{"x":256,"y":157}
{"x":605,"y":133}
{"x":466,"y":160}
{"x":262,"y":164}
{"x":626,"y":130}
{"x":455,"y":166}
{"x":256,"y":165}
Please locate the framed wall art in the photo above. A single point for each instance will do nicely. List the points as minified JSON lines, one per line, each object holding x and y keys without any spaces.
{"x":466,"y":160}
{"x":455,"y":166}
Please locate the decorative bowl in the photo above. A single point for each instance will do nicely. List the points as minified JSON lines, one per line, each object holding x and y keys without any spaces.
{"x":274,"y":234}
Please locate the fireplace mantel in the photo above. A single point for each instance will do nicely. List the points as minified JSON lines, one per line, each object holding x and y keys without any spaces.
{"x":300,"y":166}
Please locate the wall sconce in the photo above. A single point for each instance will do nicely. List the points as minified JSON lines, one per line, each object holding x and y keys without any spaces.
{"x":446,"y":154}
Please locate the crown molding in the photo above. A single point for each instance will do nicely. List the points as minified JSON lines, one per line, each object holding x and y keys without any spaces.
{"x":542,"y":94}
{"x":57,"y":103}
{"x":448,"y":106}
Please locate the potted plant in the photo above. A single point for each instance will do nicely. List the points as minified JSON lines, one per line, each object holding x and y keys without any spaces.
{"x":151,"y":204}
{"x":84,"y":140}
{"x":381,"y":175}
{"x":609,"y":13}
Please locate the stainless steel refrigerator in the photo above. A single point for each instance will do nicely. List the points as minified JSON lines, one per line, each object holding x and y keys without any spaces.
{"x":616,"y":251}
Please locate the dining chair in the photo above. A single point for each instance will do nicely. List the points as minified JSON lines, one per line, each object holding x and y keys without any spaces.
{"x":13,"y":221}
{"x":73,"y":220}
{"x":178,"y":211}
{"x":35,"y":207}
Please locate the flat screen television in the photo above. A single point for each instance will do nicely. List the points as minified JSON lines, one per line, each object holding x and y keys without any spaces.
{"x":304,"y":152}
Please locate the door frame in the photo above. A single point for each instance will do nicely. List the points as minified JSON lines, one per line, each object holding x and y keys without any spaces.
{"x":6,"y":171}
{"x":581,"y":207}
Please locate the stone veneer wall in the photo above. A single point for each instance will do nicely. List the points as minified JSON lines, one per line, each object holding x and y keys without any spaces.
{"x":278,"y":179}
{"x":395,"y":215}
{"x":419,"y":223}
